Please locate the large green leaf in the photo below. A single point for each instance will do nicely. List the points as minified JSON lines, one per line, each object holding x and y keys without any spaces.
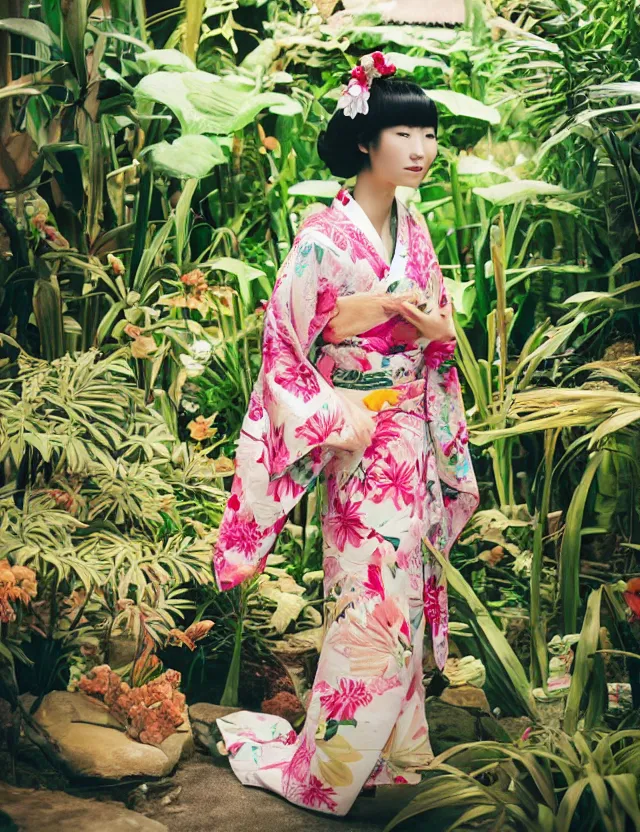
{"x":262,"y":56}
{"x":434,"y":39}
{"x":243,"y":271}
{"x":74,"y":15}
{"x":47,"y":308}
{"x":470,"y":165}
{"x":615,"y":90}
{"x":409,"y":63}
{"x":205,"y":103}
{"x":463,"y":105}
{"x":321,"y":188}
{"x":584,"y":661}
{"x":571,"y":545}
{"x":155,"y":59}
{"x":188,"y":156}
{"x":509,"y":192}
{"x":463,"y":295}
{"x":34,"y":29}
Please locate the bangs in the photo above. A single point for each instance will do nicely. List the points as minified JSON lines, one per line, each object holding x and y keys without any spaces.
{"x":393,"y":103}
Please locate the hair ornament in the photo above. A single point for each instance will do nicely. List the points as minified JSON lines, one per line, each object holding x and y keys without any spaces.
{"x":355,"y":96}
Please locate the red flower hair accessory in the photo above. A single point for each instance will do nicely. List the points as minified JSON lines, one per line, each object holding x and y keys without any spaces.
{"x":355,"y":96}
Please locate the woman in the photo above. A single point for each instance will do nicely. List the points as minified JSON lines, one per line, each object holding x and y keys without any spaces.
{"x":357,"y":384}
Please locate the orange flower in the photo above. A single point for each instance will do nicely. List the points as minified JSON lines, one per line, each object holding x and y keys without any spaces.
{"x":377,"y":398}
{"x":132,"y":331}
{"x":200,"y":428}
{"x":49,"y":232}
{"x":268,"y":142}
{"x":196,"y":279}
{"x":18,"y":585}
{"x":492,"y":556}
{"x":193,"y":633}
{"x":62,"y":499}
{"x":199,"y":629}
{"x":632,"y":597}
{"x":116,"y":265}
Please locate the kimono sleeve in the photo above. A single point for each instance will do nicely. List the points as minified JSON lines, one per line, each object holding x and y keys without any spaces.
{"x":447,"y":423}
{"x":293,"y":413}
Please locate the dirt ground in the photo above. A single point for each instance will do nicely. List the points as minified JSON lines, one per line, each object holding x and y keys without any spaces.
{"x":212,"y":799}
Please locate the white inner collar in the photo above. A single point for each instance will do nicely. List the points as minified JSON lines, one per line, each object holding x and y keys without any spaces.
{"x":358,"y":216}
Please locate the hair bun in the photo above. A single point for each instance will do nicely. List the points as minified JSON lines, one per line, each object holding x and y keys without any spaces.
{"x":343,"y":159}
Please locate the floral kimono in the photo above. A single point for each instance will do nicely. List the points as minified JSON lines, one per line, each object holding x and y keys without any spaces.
{"x":365,"y":721}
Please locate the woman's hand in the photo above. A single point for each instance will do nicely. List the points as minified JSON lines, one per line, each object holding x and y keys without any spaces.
{"x":361,"y":312}
{"x":436,"y":325}
{"x":363,"y":425}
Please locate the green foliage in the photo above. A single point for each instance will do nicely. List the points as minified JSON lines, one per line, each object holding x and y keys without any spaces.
{"x":87,"y":506}
{"x":550,"y":782}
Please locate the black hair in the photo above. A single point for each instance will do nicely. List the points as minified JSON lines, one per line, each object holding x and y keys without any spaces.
{"x":391,"y":102}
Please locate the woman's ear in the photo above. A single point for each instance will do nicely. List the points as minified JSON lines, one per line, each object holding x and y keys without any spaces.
{"x":363,"y":149}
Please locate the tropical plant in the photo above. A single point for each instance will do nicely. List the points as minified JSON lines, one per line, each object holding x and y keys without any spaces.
{"x":548,"y":781}
{"x":86,"y":506}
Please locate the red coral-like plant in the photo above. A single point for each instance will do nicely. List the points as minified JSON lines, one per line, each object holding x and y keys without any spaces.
{"x":149,"y":713}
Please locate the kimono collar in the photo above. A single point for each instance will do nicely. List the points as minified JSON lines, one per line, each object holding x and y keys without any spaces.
{"x":345,"y":202}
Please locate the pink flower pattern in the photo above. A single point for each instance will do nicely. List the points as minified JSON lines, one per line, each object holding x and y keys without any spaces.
{"x":393,"y":480}
{"x":436,"y":604}
{"x":343,"y":703}
{"x":345,"y":526}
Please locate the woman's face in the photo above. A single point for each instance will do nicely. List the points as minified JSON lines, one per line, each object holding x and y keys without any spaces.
{"x":403,"y":155}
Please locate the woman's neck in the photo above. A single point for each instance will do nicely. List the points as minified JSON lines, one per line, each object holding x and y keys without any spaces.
{"x":375,"y":199}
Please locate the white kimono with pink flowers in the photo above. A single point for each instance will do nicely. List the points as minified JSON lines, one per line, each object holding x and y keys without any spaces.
{"x":365,"y":721}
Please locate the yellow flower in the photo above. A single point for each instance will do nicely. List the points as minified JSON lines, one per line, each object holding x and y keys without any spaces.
{"x":200,"y":428}
{"x":377,"y":398}
{"x":223,"y":466}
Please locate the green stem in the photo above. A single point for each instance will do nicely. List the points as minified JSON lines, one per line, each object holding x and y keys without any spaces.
{"x":230,"y":694}
{"x":539,"y":666}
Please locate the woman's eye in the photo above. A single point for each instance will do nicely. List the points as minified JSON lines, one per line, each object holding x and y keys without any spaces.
{"x":403,"y":134}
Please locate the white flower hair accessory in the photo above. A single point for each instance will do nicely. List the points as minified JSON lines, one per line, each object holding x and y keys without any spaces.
{"x":355,"y":96}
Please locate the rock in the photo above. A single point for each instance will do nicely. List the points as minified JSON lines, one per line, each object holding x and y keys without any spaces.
{"x":515,"y":726}
{"x":284,"y":704}
{"x":123,"y":650}
{"x":90,"y":742}
{"x":47,"y":811}
{"x":203,"y":717}
{"x":451,"y":725}
{"x":466,"y":696}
